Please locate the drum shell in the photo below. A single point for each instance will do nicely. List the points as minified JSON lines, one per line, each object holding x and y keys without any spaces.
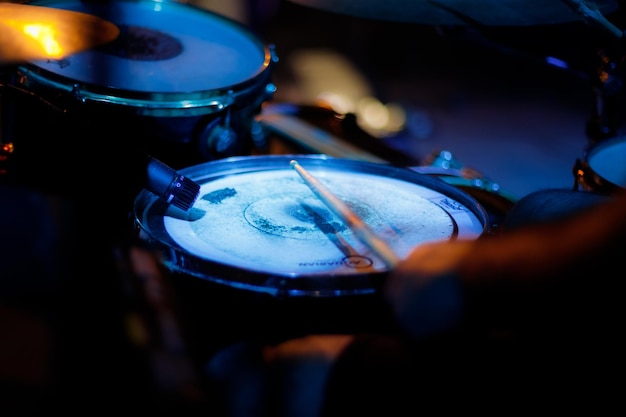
{"x":216,"y":315}
{"x":59,"y":125}
{"x":180,"y":136}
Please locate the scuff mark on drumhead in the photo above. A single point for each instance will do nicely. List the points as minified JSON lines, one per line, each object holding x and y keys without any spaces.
{"x":217,"y":196}
{"x":143,"y":44}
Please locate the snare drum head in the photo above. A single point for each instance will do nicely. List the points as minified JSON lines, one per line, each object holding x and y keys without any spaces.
{"x":163,"y":47}
{"x":257,"y":225}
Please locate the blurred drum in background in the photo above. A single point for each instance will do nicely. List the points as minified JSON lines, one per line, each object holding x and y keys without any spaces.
{"x":179,"y":82}
{"x":603,"y":167}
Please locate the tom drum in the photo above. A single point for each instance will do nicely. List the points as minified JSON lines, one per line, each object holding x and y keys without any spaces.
{"x":181,"y":83}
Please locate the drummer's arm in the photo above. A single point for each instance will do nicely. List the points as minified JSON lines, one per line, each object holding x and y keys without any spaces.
{"x":438,"y":286}
{"x":504,"y":277}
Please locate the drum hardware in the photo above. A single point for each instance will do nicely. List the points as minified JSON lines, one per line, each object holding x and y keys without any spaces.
{"x":221,"y":141}
{"x":496,"y":200}
{"x":454,"y":12}
{"x":449,"y":163}
{"x":29,"y":32}
{"x":218,"y":138}
{"x":609,"y":80}
{"x":608,"y":86}
{"x":6,"y":150}
{"x":583,"y":179}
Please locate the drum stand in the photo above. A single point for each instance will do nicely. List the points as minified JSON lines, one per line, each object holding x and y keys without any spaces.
{"x":604,"y":123}
{"x":608,"y":85}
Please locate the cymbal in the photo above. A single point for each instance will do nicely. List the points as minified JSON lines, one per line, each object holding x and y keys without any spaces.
{"x":29,"y":32}
{"x":462,"y":12}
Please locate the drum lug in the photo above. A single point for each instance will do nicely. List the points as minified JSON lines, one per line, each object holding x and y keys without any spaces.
{"x":259,"y":135}
{"x":77,"y":94}
{"x":221,"y":139}
{"x":445,"y":160}
{"x":218,"y":139}
{"x":270,"y":90}
{"x":272,"y":51}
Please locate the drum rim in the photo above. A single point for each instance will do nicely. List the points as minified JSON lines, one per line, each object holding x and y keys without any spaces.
{"x":178,"y":259}
{"x":199,"y":102}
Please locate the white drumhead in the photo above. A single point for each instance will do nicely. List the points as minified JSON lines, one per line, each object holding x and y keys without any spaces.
{"x":163,"y":47}
{"x":271,"y":220}
{"x":256,"y":214}
{"x":608,"y":160}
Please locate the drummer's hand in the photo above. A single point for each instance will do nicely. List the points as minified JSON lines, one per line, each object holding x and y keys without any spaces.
{"x":424,"y":290}
{"x":282,"y":380}
{"x":289,"y":378}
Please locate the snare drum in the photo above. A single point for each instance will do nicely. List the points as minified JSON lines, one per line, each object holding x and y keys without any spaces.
{"x":180,"y":82}
{"x":257,"y":226}
{"x":603,"y":168}
{"x":259,"y":253}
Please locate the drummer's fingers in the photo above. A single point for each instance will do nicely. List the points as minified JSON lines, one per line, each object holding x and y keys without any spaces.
{"x":424,"y":263}
{"x":311,"y":347}
{"x":424,"y":291}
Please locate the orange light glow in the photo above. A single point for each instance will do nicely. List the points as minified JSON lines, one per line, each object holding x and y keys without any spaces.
{"x":45,"y":35}
{"x":7,"y":148}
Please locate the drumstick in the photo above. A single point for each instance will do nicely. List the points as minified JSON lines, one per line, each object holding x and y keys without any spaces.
{"x":354,"y":222}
